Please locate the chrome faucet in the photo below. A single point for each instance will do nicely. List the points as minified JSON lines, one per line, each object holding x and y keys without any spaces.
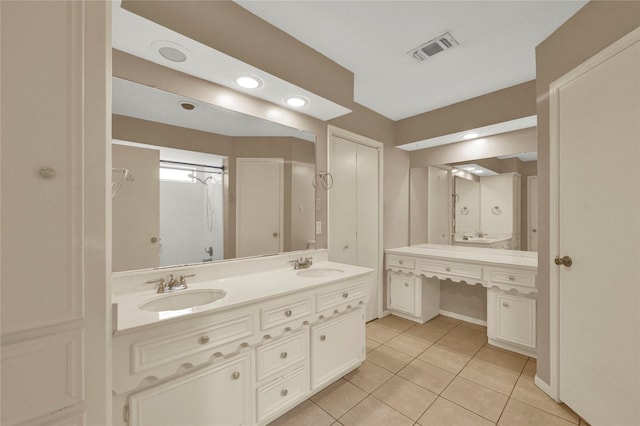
{"x":302,"y":263}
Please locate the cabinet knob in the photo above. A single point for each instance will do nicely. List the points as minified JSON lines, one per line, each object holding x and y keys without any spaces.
{"x":406,"y":284}
{"x":284,"y":392}
{"x":565,"y":260}
{"x":288,"y":313}
{"x":512,"y":278}
{"x":323,"y":338}
{"x":283,"y":355}
{"x":345,"y":295}
{"x":204,"y":340}
{"x":448,"y":269}
{"x":400,"y":262}
{"x":235,"y":375}
{"x":505,"y":304}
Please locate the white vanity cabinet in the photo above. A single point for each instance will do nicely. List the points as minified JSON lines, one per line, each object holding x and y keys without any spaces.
{"x":337,"y":346}
{"x":413,"y":287}
{"x":213,"y":395}
{"x":511,"y":320}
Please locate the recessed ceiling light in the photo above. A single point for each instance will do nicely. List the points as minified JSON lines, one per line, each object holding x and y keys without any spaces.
{"x":469,"y":169}
{"x":470,"y":135}
{"x":170,"y":51}
{"x":479,"y":171}
{"x":248,"y":81}
{"x":189,"y":106}
{"x":296,"y":101}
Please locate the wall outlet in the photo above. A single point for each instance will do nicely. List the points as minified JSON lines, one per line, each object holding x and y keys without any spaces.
{"x":318,"y":227}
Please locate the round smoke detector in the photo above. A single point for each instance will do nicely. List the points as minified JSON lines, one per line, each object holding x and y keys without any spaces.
{"x":171,"y":51}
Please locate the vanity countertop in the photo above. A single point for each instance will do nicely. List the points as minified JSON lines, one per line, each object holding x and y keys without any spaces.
{"x":527,"y":259}
{"x":241,"y":290}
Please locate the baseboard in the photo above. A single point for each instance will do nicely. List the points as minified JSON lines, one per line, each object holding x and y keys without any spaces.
{"x":545,"y":388}
{"x":463,"y":318}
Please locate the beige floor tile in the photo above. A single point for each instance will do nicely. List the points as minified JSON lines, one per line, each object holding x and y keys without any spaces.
{"x":583,"y":422}
{"x":443,"y":358}
{"x":336,"y":423}
{"x":468,"y":334}
{"x":445,"y":318}
{"x":517,"y":413}
{"x":396,"y":323}
{"x":405,"y":397}
{"x":526,"y":391}
{"x":426,"y":375}
{"x":380,"y":334}
{"x":372,"y":411}
{"x":446,"y":413}
{"x":339,"y":398}
{"x":442,"y":324}
{"x":476,"y":327}
{"x":372,"y":322}
{"x":492,"y":377}
{"x":408,"y":345}
{"x":509,"y":361}
{"x":305,"y":414}
{"x":389,"y":358}
{"x":474,"y":397}
{"x":461,"y":346}
{"x":425,"y":333}
{"x":371,"y":344}
{"x":368,"y":376}
{"x":529,"y":371}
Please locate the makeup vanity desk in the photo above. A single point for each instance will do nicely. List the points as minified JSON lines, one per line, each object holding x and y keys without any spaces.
{"x":413,"y":287}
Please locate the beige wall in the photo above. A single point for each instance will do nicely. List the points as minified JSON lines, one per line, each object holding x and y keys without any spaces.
{"x":591,"y":29}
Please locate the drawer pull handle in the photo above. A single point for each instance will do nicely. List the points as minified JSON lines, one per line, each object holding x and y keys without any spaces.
{"x":235,"y":375}
{"x":345,"y":295}
{"x":512,"y":278}
{"x":448,"y":269}
{"x":283,"y":355}
{"x":284,"y":392}
{"x":323,"y":338}
{"x":288,"y":313}
{"x":505,"y":304}
{"x":204,"y":340}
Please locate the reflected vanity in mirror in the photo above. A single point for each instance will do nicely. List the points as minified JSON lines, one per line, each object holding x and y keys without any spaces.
{"x":194,"y":182}
{"x":490,"y":203}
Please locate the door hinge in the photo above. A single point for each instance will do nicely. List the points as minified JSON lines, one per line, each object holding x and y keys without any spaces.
{"x":125,"y":413}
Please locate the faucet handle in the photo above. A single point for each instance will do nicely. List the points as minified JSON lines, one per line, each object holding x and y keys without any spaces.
{"x":183,"y":279}
{"x":161,"y":284}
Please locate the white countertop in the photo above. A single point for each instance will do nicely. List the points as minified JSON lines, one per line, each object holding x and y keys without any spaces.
{"x":240,"y":290}
{"x":472,"y":254}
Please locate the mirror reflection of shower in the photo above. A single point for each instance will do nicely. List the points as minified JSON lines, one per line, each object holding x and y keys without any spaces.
{"x":209,"y":206}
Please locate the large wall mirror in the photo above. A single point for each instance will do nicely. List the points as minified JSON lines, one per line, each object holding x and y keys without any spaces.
{"x":488,"y":202}
{"x":194,"y":182}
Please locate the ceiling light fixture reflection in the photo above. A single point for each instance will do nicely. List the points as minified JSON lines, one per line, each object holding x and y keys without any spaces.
{"x":248,"y":81}
{"x":296,"y":101}
{"x":470,"y":135}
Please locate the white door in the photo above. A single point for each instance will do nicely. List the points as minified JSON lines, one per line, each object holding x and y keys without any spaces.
{"x":596,"y":123}
{"x":354,"y":231}
{"x":259,"y":206}
{"x":55,"y":106}
{"x":532,"y":213}
{"x":136,"y":209}
{"x":439,"y":218}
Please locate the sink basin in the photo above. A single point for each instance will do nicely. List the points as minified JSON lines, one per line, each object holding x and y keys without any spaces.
{"x":320,"y":272}
{"x":182,"y":299}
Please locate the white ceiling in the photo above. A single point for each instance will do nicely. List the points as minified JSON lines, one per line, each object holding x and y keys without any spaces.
{"x":371,"y":38}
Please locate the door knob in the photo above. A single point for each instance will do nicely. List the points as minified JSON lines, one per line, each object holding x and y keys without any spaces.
{"x":565,"y":260}
{"x":275,"y":234}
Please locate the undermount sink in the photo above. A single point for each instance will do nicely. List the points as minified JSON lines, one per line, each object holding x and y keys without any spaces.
{"x":182,"y":300}
{"x":320,"y":272}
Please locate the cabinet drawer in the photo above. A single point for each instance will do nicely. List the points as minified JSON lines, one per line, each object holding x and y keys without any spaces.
{"x":452,"y":269}
{"x":401,"y":262}
{"x":280,"y":314}
{"x":151,"y":353}
{"x":280,"y":393}
{"x":339,"y":296}
{"x":519,"y":278}
{"x":280,"y":355}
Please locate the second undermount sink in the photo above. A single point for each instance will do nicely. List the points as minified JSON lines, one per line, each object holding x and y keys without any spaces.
{"x":182,"y":300}
{"x":320,"y":272}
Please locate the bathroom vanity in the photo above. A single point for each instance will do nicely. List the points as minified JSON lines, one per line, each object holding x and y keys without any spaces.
{"x":275,"y":337}
{"x":413,"y":287}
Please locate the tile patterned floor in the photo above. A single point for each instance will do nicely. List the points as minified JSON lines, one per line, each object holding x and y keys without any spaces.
{"x":439,"y":373}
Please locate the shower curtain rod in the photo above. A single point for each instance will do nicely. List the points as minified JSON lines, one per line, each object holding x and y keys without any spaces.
{"x":193,"y":164}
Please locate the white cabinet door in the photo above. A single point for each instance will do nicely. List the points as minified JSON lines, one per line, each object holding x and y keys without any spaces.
{"x":512,"y":318}
{"x":337,"y":346}
{"x":219,"y":395}
{"x":404,"y":293}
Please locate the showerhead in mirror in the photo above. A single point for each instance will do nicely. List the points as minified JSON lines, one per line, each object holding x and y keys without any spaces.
{"x":204,"y":182}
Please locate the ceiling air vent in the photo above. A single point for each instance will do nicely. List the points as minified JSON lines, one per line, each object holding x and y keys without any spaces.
{"x":433,"y":47}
